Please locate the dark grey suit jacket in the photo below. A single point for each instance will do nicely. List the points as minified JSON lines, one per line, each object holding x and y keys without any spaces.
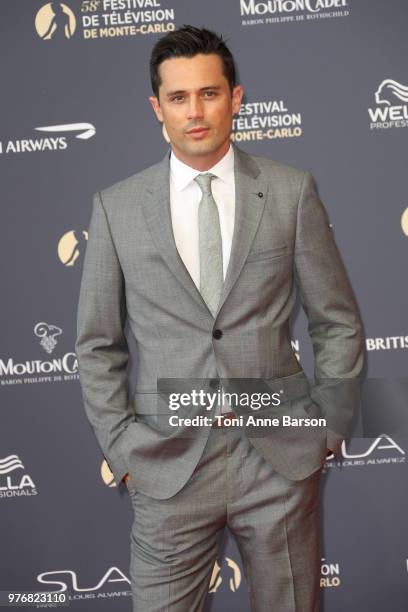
{"x":282,"y":244}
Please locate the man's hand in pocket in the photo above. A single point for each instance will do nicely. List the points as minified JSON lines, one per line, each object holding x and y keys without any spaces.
{"x":126,"y":478}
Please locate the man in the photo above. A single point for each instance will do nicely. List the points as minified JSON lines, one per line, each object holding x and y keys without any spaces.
{"x":202,"y":254}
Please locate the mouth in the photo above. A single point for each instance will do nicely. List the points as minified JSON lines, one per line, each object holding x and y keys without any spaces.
{"x":198,"y":130}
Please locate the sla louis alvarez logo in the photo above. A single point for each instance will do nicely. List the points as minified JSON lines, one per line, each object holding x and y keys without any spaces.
{"x":58,"y":368}
{"x":391,"y":106}
{"x":54,"y":142}
{"x":104,"y":19}
{"x":383,"y":450}
{"x":14,"y":480}
{"x":114,"y":583}
{"x":259,"y":12}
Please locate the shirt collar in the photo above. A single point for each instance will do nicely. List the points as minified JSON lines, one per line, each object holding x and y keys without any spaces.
{"x":182,"y":174}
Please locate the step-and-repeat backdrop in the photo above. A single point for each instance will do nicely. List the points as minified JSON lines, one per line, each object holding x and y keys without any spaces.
{"x":326,"y":86}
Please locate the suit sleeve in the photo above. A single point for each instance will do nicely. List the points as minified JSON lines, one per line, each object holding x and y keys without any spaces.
{"x":101,"y":345}
{"x":334,"y":323}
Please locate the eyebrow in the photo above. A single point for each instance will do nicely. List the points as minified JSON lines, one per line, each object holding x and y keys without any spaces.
{"x":183,"y":91}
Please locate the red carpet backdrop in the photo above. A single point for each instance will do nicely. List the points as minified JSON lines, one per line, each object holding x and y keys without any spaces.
{"x":326,"y":85}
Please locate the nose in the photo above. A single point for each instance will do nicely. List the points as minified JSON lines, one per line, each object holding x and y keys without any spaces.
{"x":195,"y":108}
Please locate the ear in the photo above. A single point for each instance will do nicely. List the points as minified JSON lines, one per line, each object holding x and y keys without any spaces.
{"x":156,"y":107}
{"x":237,"y":94}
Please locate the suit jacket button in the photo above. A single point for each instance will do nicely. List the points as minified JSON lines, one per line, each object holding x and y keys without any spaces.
{"x":260,"y":194}
{"x":217,"y":334}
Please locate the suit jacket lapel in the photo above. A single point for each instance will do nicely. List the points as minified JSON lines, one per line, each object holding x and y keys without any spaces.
{"x":249,"y":205}
{"x":156,"y":208}
{"x":250,"y":197}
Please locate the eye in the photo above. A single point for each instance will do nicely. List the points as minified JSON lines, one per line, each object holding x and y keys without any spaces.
{"x":177,"y":99}
{"x":210,"y":94}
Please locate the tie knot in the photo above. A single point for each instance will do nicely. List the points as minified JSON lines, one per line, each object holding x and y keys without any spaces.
{"x":204,"y":182}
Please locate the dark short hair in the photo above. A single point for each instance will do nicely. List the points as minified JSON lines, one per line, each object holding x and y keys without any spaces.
{"x":189,"y":41}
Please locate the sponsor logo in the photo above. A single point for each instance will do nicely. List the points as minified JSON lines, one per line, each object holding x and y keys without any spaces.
{"x":404,"y":221}
{"x":383,"y":450}
{"x":107,"y":475}
{"x":17,"y":484}
{"x":71,"y":245}
{"x":220,"y":572}
{"x":104,"y":19}
{"x":296,"y":348}
{"x":52,"y":143}
{"x":267,"y":119}
{"x":67,"y":580}
{"x":48,"y":334}
{"x":58,"y":369}
{"x":329,"y":574}
{"x":87,"y":130}
{"x":386,"y":343}
{"x":55,"y":20}
{"x":391,"y":110}
{"x":260,"y":12}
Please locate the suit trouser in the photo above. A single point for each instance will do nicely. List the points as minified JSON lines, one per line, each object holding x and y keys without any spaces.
{"x":275,"y":522}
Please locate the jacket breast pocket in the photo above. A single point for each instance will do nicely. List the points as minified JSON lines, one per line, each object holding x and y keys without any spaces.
{"x":273,"y":253}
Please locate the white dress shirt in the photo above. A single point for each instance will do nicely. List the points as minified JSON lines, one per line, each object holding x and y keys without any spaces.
{"x":185,"y":197}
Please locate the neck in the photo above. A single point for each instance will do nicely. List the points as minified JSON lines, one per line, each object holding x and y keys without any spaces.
{"x":202,"y":162}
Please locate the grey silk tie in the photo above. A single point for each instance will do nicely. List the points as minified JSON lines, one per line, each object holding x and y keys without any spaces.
{"x":210,"y":249}
{"x":210,"y":244}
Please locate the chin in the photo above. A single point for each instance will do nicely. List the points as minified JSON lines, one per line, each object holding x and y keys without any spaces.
{"x":201,"y":148}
